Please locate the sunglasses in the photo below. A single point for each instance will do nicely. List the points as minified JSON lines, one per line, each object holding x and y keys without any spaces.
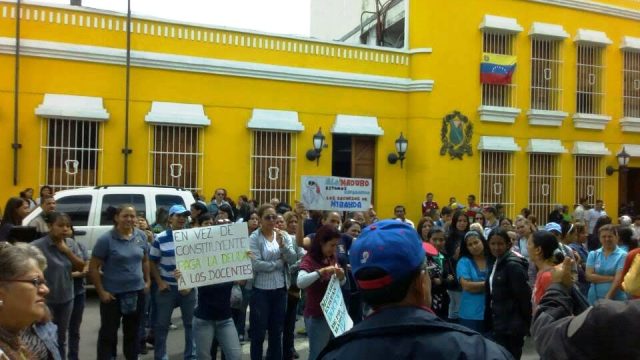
{"x":270,"y":217}
{"x":36,"y":282}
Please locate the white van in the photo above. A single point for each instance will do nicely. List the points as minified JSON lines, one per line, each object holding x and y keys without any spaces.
{"x":88,"y":206}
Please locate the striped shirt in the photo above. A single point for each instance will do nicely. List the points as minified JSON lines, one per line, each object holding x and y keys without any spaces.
{"x":163,"y":252}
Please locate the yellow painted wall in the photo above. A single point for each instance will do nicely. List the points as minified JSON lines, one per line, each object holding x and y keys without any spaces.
{"x":450,"y":28}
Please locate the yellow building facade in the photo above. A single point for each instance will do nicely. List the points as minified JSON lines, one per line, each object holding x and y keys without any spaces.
{"x":212,"y":107}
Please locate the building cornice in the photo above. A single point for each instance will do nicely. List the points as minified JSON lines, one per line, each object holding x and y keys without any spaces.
{"x":155,"y":60}
{"x":600,"y":8}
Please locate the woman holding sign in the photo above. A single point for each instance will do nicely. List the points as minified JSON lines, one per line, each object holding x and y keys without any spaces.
{"x":273,"y":251}
{"x":316,"y":270}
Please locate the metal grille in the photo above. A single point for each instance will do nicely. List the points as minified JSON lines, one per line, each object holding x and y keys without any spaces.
{"x":176,"y":155}
{"x":272,"y":165}
{"x":499,"y":95}
{"x":497,"y":174}
{"x":546,"y":74}
{"x":544,"y":184}
{"x":631,"y":87}
{"x":71,"y":151}
{"x":589,"y":178}
{"x":590,"y":89}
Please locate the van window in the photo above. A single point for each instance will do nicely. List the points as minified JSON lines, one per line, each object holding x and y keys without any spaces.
{"x":77,"y":207}
{"x":167,"y":201}
{"x":115,"y":200}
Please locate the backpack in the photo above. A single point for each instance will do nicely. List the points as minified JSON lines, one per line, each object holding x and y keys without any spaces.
{"x":631,"y":283}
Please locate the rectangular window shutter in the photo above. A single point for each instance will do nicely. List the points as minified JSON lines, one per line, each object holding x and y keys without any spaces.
{"x":71,"y":150}
{"x":176,"y":156}
{"x":499,"y":95}
{"x":497,"y":174}
{"x":544,"y":184}
{"x":589,"y":178}
{"x":590,"y":80}
{"x":272,"y":166}
{"x":546,"y":74}
{"x":631,"y":86}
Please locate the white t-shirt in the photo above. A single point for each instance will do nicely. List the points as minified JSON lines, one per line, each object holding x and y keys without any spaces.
{"x":592,"y":217}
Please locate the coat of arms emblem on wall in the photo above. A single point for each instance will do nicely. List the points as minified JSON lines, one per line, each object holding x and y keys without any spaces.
{"x":456,"y":135}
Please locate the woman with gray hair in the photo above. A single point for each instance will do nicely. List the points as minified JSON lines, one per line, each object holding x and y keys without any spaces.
{"x":22,"y":296}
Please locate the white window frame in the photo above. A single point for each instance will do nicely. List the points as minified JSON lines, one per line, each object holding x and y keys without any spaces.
{"x":544,"y":184}
{"x":267,"y":188}
{"x":631,"y":84}
{"x":178,"y":155}
{"x":589,"y":178}
{"x":497,"y":187}
{"x":546,"y":74}
{"x":70,"y":157}
{"x":499,"y":42}
{"x":590,"y":78}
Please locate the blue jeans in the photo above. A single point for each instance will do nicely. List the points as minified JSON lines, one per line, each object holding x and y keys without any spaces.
{"x":319,"y":334}
{"x":61,"y":314}
{"x":224,"y":331}
{"x":74,"y":325}
{"x":267,"y":313}
{"x":454,"y":304}
{"x":166,"y":301}
{"x":477,"y":325}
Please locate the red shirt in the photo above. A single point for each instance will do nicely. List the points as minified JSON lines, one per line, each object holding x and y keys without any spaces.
{"x":428,"y":206}
{"x":543,"y":280}
{"x":315,"y":292}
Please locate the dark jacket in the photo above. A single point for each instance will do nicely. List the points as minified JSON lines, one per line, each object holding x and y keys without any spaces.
{"x":508,"y":305}
{"x":410,"y":333}
{"x":607,"y":330}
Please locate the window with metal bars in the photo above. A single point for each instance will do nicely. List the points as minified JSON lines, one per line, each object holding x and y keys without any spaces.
{"x":546,"y":74}
{"x":497,"y":175}
{"x":544,"y":184}
{"x":72,"y":153}
{"x":631,"y":86}
{"x":590,"y":79}
{"x":589,"y":178}
{"x":176,"y":156}
{"x":272,"y":166}
{"x":492,"y":94}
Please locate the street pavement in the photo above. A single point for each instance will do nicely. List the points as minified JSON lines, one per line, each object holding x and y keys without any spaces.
{"x":175,"y":342}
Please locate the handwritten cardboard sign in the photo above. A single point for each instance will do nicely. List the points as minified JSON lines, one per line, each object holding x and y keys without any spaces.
{"x":212,"y":255}
{"x":334,"y":308}
{"x":336,"y":193}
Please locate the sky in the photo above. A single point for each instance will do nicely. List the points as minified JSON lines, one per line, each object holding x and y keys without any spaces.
{"x":291,"y":17}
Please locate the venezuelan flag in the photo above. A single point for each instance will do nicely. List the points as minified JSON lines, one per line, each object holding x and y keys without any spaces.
{"x":497,"y":69}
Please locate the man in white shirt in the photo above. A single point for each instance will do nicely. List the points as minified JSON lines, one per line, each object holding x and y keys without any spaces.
{"x":592,"y":216}
{"x":579,"y":211}
{"x":400,"y":213}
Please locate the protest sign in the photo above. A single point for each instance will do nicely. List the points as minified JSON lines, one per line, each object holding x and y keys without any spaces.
{"x":334,"y":309}
{"x":212,"y":255}
{"x":336,"y":193}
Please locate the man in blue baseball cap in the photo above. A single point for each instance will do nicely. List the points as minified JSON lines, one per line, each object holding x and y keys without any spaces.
{"x":168,"y":297}
{"x":388,"y":263}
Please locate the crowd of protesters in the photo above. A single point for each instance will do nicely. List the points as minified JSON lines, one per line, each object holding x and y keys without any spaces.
{"x":488,"y":274}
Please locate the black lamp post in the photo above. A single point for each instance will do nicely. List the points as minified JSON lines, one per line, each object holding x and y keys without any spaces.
{"x":401,"y":150}
{"x":623,"y":162}
{"x":318,"y":143}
